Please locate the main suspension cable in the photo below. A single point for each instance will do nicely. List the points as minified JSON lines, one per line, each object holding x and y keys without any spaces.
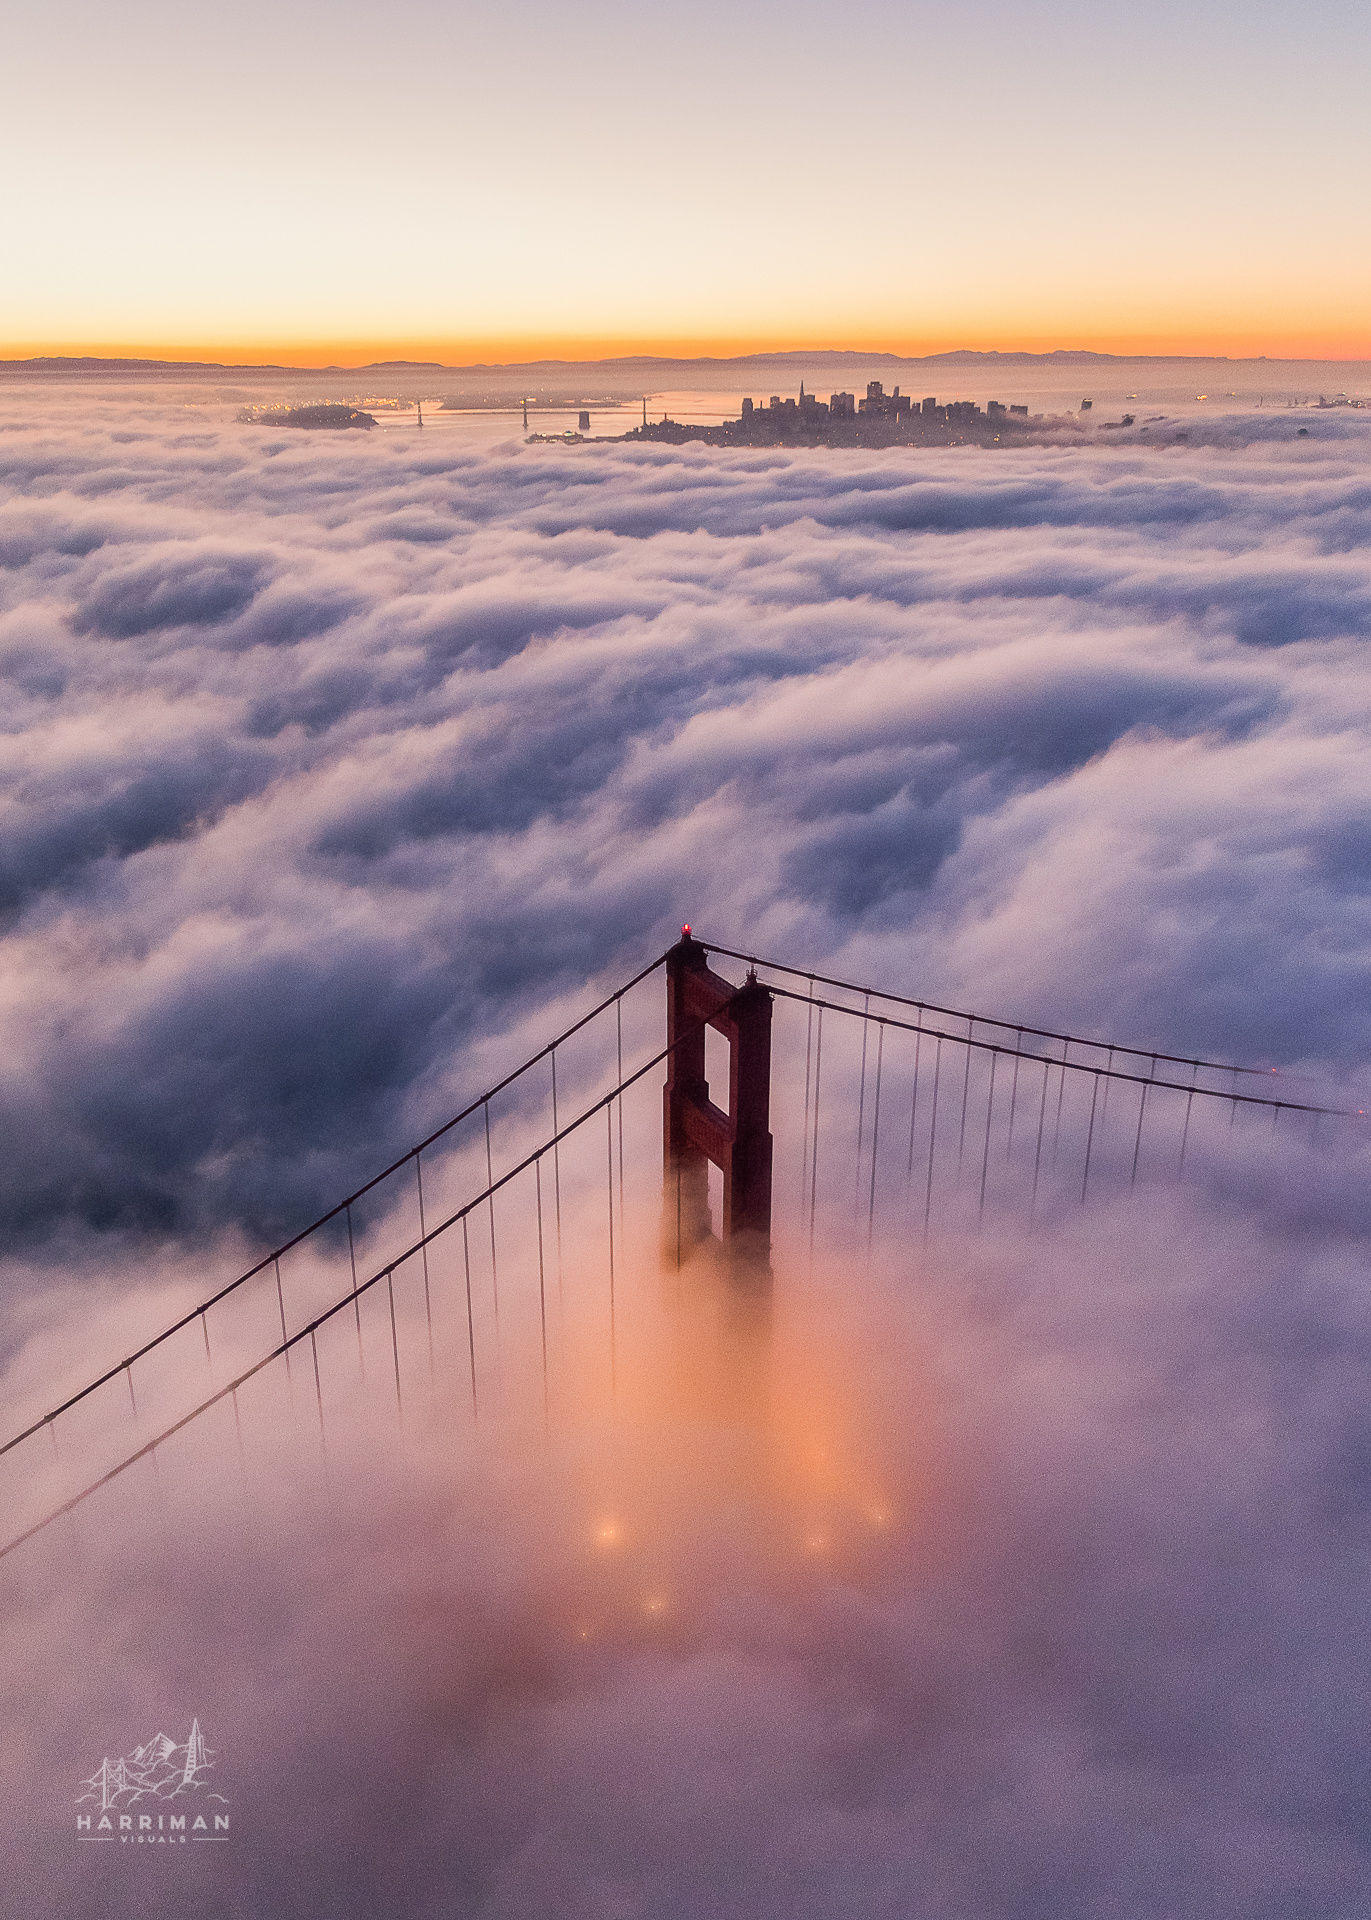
{"x":343,"y":1207}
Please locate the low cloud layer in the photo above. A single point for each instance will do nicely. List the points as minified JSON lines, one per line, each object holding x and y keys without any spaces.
{"x":327,"y":764}
{"x":322,"y":754}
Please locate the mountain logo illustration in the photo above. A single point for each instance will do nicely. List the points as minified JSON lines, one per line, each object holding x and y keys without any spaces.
{"x":160,"y":1769}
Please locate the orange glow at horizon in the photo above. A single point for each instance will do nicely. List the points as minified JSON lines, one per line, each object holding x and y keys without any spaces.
{"x":1339,"y":341}
{"x":269,"y":194}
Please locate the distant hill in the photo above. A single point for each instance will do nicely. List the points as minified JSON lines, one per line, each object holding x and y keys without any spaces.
{"x":323,"y":415}
{"x":89,"y":367}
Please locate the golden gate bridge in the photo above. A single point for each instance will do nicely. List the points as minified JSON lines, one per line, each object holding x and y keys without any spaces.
{"x":766,"y":1123}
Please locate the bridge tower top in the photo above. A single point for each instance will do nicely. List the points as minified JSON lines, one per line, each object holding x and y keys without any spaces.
{"x":697,"y":1132}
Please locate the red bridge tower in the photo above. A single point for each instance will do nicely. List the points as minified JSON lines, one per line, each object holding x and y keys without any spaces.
{"x":697,"y":1132}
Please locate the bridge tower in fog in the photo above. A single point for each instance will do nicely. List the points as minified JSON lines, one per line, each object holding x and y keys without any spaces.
{"x":696,"y":1132}
{"x":959,"y":1118}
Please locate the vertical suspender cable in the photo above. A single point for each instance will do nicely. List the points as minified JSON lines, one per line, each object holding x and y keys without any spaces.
{"x":423,"y":1236}
{"x":875,"y":1136}
{"x":985,"y":1155}
{"x":932,"y":1136}
{"x":1038,"y":1148}
{"x":1089,"y":1138}
{"x":490,"y":1182}
{"x":1014,"y":1092}
{"x":356,"y":1297}
{"x":613,"y":1329}
{"x":913,"y":1113}
{"x":57,"y":1461}
{"x":1061,"y":1095}
{"x":1137,"y":1139}
{"x":809,"y":1062}
{"x":1189,"y":1103}
{"x":318,"y":1394}
{"x":861,"y":1105}
{"x":619,"y":1104}
{"x":814,"y":1164}
{"x":471,"y":1320}
{"x":394,"y":1343}
{"x":238,"y":1431}
{"x":244,"y":1488}
{"x":542,"y":1283}
{"x":281,"y":1304}
{"x":966,"y":1088}
{"x":556,"y":1173}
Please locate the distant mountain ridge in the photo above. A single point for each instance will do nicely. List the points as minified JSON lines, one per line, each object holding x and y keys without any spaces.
{"x":89,"y":366}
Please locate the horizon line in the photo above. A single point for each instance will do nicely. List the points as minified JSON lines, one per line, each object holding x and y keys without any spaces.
{"x":172,"y":360}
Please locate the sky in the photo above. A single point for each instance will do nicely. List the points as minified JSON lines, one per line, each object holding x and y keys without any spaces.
{"x":334,"y":769}
{"x":481,"y":182}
